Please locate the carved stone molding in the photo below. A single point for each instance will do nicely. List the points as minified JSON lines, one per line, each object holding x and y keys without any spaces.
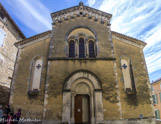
{"x":129,"y":40}
{"x":32,"y":39}
{"x":83,"y":11}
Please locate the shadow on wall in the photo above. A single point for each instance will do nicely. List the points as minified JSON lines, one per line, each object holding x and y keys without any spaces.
{"x":109,"y":92}
{"x":4,"y":95}
{"x":141,"y":97}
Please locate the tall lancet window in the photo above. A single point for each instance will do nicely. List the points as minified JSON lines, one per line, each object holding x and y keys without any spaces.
{"x":91,"y":49}
{"x":81,"y":48}
{"x":128,"y":77}
{"x":71,"y":49}
{"x":35,"y":76}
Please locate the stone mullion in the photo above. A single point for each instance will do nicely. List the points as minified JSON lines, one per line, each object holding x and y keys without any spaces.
{"x":92,"y":108}
{"x":67,"y":52}
{"x":95,"y":49}
{"x":87,"y":48}
{"x":76,"y":48}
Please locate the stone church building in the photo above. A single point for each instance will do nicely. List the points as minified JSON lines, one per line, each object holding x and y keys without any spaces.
{"x":82,"y":72}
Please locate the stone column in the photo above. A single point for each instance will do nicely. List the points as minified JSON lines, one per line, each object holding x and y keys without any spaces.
{"x":67,"y":48}
{"x":87,"y":49}
{"x":72,"y":108}
{"x":92,"y":109}
{"x":99,"y":107}
{"x":76,"y":48}
{"x":51,"y":51}
{"x":66,"y":107}
{"x":95,"y":48}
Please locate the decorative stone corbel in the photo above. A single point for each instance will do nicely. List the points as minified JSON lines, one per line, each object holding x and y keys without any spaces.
{"x":59,"y":20}
{"x":72,"y":15}
{"x":96,"y":18}
{"x":89,"y":15}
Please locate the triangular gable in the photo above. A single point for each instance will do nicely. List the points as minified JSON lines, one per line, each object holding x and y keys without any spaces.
{"x":78,"y":11}
{"x":31,"y":40}
{"x":128,"y":39}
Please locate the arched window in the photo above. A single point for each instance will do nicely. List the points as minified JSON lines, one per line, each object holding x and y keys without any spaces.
{"x":128,"y":77}
{"x":81,"y":48}
{"x":2,"y":36}
{"x":71,"y":48}
{"x":91,"y":49}
{"x":35,"y":76}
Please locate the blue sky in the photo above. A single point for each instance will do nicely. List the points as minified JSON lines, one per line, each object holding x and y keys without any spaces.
{"x":140,"y":19}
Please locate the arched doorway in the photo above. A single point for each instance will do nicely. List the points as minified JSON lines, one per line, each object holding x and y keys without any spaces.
{"x":82,"y":103}
{"x":82,"y":99}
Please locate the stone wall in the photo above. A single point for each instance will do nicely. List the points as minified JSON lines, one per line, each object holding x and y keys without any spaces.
{"x":20,"y":98}
{"x":7,"y":57}
{"x":133,"y":105}
{"x":56,"y":79}
{"x":7,"y":50}
{"x":133,"y":121}
{"x":4,"y":95}
{"x":59,"y":41}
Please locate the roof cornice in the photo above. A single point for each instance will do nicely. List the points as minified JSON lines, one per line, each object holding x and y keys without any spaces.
{"x":128,"y":39}
{"x":78,"y":11}
{"x":30,"y":39}
{"x":11,"y":20}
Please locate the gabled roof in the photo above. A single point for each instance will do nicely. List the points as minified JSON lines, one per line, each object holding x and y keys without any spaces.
{"x":136,"y":41}
{"x":30,"y":39}
{"x":80,"y":10}
{"x":3,"y":10}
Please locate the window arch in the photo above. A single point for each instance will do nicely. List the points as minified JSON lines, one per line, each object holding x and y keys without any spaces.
{"x":72,"y":48}
{"x":81,"y":48}
{"x":91,"y":49}
{"x":128,"y":77}
{"x":35,"y":75}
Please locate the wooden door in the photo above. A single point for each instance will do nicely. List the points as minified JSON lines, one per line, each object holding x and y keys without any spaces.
{"x":78,"y":109}
{"x":82,"y":109}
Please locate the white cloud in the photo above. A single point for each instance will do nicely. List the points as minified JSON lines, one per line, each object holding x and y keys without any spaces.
{"x":153,"y":62}
{"x":35,"y":13}
{"x":138,"y":19}
{"x":154,"y":38}
{"x":32,"y":14}
{"x":91,"y":2}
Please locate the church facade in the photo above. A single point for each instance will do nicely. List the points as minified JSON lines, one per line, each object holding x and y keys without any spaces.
{"x":82,"y":72}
